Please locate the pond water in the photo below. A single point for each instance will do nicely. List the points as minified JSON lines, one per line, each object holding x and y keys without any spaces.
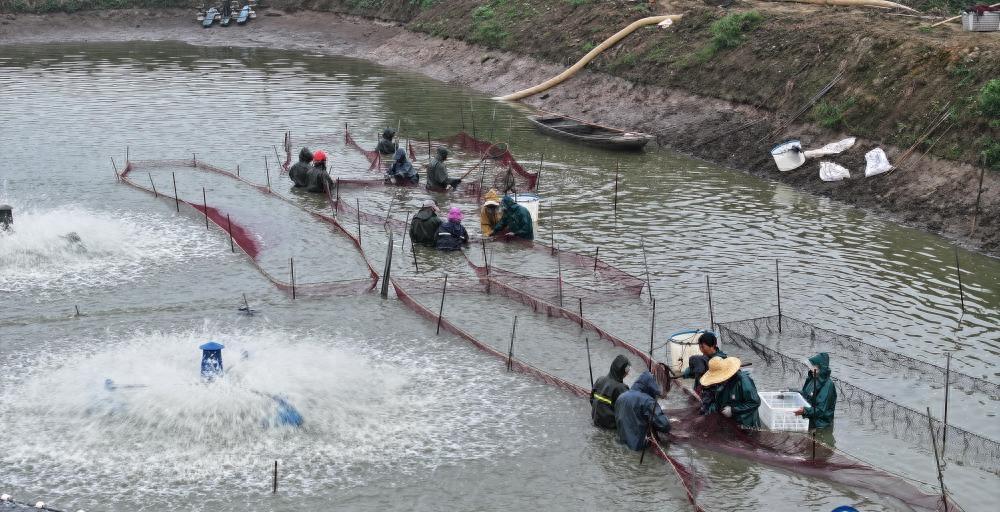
{"x":398,"y":417}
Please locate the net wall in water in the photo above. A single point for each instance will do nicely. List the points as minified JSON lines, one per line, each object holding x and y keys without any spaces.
{"x":902,"y":421}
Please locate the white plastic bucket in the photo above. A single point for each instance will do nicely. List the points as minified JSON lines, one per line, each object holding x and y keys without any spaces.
{"x":531,"y":202}
{"x":683,"y":345}
{"x":788,"y":155}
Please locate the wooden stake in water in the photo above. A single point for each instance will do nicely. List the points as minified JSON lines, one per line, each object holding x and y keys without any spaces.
{"x":944,"y":420}
{"x":386,"y":273}
{"x":652,"y":334}
{"x":937,"y":460}
{"x":444,"y":290}
{"x":617,"y":172}
{"x":777,"y":282}
{"x":204,"y":203}
{"x":194,"y":160}
{"x":405,"y":229}
{"x":238,"y":168}
{"x":538,"y":175}
{"x":510,"y":349}
{"x":229,"y":226}
{"x":274,"y":480}
{"x":77,"y":308}
{"x":276,"y":157}
{"x":155,"y":194}
{"x":649,"y":284}
{"x":126,"y":156}
{"x":711,"y":312}
{"x":590,"y":367}
{"x":115,"y":168}
{"x":559,"y":277}
{"x":580,"y":302}
{"x":291,"y":266}
{"x":597,"y":254}
{"x":267,"y":174}
{"x":177,"y":201}
{"x":357,"y":205}
{"x":958,"y":274}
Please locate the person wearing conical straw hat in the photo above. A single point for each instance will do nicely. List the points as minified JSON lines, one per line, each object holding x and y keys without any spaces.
{"x":736,"y":396}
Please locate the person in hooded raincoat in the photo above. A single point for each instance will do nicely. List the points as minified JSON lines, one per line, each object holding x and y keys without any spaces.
{"x":424,"y":225}
{"x":437,"y":172}
{"x":451,"y":235}
{"x":385,"y":144}
{"x":490,"y":214}
{"x":299,"y":172}
{"x":318,"y":181}
{"x":401,"y":172}
{"x":636,"y":410}
{"x":820,"y":392}
{"x":606,"y":391}
{"x":516,"y":220}
{"x":736,"y":396}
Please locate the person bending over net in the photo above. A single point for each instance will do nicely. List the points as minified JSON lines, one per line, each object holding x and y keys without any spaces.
{"x":489,"y":214}
{"x":606,"y":391}
{"x":636,"y":411}
{"x":386,"y":146}
{"x":515,"y":221}
{"x":437,"y":173}
{"x":299,"y":172}
{"x":698,"y":365}
{"x":736,"y":396}
{"x":318,"y":181}
{"x":451,"y":235}
{"x":424,"y":226}
{"x":401,"y":172}
{"x":820,"y":392}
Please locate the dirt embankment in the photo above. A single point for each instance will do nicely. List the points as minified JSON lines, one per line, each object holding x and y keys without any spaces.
{"x":695,"y":86}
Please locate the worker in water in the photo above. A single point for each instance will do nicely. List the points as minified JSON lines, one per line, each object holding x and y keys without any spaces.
{"x":636,"y":411}
{"x":437,"y":172}
{"x":424,"y":226}
{"x":515,"y":221}
{"x":451,"y":235}
{"x":386,"y":146}
{"x":606,"y":391}
{"x":820,"y":392}
{"x":299,"y":172}
{"x":318,"y":180}
{"x":736,"y":396}
{"x":489,"y":214}
{"x":708,"y":344}
{"x":401,"y":172}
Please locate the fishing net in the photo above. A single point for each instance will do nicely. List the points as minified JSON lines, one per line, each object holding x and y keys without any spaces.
{"x":506,"y":159}
{"x":902,"y":421}
{"x":243,"y":237}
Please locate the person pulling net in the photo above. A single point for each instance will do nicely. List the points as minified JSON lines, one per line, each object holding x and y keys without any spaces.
{"x":401,"y":172}
{"x":386,"y":143}
{"x":437,"y":173}
{"x":318,"y":180}
{"x":299,"y":172}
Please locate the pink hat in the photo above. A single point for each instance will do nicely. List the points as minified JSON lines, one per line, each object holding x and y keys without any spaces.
{"x":455,"y":214}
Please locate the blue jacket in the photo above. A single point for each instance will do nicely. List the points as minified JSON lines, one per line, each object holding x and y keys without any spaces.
{"x":636,"y":408}
{"x":451,"y":236}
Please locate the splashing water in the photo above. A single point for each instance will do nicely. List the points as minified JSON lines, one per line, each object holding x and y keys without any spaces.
{"x":70,"y":247}
{"x":163,"y":430}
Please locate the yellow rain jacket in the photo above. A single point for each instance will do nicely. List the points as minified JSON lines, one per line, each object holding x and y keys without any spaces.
{"x":486,"y":220}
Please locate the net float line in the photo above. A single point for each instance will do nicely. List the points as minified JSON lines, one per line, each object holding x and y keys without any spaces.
{"x":243,"y":237}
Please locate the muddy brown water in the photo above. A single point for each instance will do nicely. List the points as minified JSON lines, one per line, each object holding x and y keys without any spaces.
{"x":397,"y":417}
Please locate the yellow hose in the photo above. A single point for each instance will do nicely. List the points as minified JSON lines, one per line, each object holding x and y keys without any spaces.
{"x":572,"y":70}
{"x":882,"y":4}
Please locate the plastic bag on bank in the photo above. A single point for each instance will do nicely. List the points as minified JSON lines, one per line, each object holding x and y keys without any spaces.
{"x":876,"y":163}
{"x":829,"y":171}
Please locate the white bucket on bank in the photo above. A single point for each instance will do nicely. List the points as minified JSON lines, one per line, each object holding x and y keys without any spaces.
{"x":531,"y":202}
{"x":788,"y":155}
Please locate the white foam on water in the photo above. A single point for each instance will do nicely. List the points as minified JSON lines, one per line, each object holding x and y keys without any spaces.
{"x":114,"y":247}
{"x":173,"y":433}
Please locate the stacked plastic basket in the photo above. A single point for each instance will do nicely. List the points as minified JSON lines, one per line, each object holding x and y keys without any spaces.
{"x":988,"y":21}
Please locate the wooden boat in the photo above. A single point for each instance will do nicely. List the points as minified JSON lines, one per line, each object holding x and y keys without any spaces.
{"x":589,"y":133}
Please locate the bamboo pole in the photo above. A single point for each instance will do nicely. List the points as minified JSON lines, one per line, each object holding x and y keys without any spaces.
{"x":649,"y":284}
{"x":274,"y":479}
{"x":597,"y":254}
{"x":444,"y":290}
{"x":405,"y":229}
{"x":204,"y":200}
{"x":510,"y":349}
{"x":590,"y":367}
{"x":177,"y":201}
{"x":958,"y":274}
{"x":238,"y":169}
{"x":652,"y":334}
{"x":944,"y":420}
{"x":559,"y":277}
{"x":386,"y":273}
{"x":937,"y":460}
{"x":267,"y":174}
{"x":229,"y":225}
{"x":291,"y":265}
{"x":711,"y":312}
{"x":617,"y":171}
{"x":777,"y":281}
{"x":155,"y":194}
{"x":580,"y":302}
{"x":115,"y":168}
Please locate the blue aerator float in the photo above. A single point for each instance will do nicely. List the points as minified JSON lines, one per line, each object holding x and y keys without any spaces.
{"x":211,"y":367}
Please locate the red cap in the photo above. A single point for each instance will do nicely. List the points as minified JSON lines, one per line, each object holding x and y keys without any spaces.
{"x":319,"y":156}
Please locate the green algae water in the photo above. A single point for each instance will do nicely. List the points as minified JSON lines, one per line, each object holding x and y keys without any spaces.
{"x":397,"y":417}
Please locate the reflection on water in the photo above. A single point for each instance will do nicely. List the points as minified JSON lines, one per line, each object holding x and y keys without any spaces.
{"x":840,"y":268}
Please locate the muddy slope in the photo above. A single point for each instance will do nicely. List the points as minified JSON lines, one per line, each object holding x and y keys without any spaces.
{"x":937,"y":194}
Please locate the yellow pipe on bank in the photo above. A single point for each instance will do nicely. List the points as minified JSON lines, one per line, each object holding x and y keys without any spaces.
{"x":882,"y":4}
{"x":572,"y":70}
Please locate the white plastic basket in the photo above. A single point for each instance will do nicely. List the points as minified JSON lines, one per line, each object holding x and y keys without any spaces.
{"x":777,"y":411}
{"x":988,"y":22}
